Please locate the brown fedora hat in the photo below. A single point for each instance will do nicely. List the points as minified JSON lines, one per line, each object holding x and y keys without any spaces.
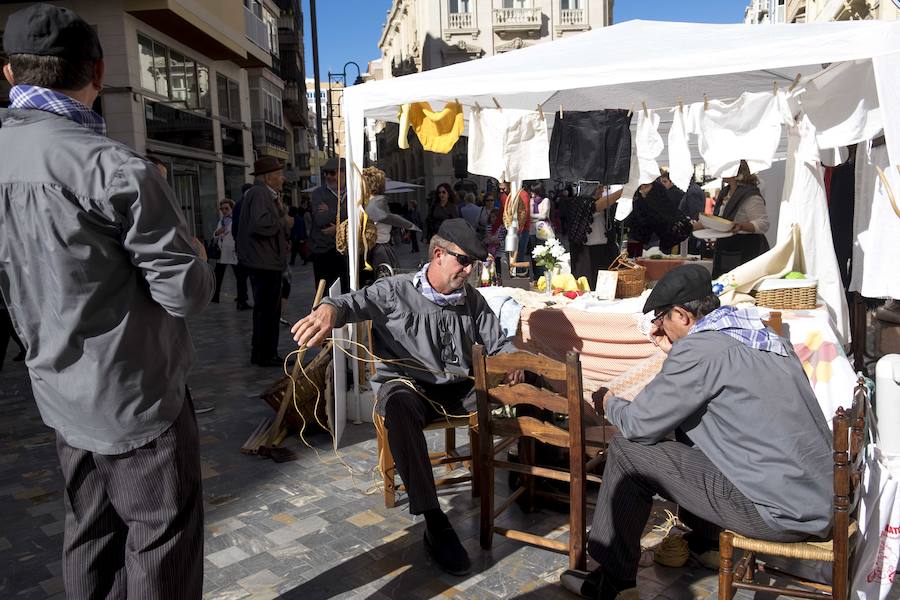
{"x":266,"y":164}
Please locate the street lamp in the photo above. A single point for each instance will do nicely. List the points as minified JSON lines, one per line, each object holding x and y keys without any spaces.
{"x":334,"y":78}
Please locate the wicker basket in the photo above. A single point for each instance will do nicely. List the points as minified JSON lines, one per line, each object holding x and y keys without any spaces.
{"x":632,"y":277}
{"x":307,"y":398}
{"x":787,"y":293}
{"x":341,"y":237}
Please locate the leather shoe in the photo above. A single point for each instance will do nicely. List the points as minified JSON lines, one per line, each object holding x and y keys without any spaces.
{"x":447,"y":551}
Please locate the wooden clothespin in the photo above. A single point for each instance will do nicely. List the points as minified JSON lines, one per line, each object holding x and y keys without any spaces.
{"x":705,"y":102}
{"x":774,"y":87}
{"x":681,"y":104}
{"x":497,"y":104}
{"x":646,"y":112}
{"x":477,"y":106}
{"x":560,"y":111}
{"x":540,"y":108}
{"x":631,"y":109}
{"x":795,"y":83}
{"x":456,"y":100}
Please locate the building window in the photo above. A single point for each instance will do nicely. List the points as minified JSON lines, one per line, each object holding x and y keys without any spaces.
{"x":271,"y":22}
{"x":459,"y":6}
{"x":173,"y":75}
{"x":569,"y":4}
{"x":515,"y":3}
{"x":229,"y":98}
{"x":271,"y":103}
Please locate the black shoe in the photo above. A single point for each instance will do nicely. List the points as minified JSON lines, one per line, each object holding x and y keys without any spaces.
{"x":244,"y":306}
{"x":596,"y":585}
{"x":446,"y":550}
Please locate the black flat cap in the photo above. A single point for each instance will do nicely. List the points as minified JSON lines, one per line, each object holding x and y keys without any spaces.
{"x":47,"y":30}
{"x":331,"y":165}
{"x":461,"y":233}
{"x":682,"y":284}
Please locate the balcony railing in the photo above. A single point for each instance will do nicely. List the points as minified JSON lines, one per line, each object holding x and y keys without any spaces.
{"x":257,"y":32}
{"x":461,"y":21}
{"x":174,"y":126}
{"x":287,"y":22}
{"x":572,"y":16}
{"x":266,"y":134}
{"x":517,"y":18}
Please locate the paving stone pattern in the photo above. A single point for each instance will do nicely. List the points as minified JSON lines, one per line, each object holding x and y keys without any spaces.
{"x":305,"y":529}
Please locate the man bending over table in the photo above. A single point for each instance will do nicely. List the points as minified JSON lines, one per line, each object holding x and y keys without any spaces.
{"x":424,"y":325}
{"x":752,"y":449}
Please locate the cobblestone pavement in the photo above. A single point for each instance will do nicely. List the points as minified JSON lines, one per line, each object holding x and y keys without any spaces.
{"x":305,"y":529}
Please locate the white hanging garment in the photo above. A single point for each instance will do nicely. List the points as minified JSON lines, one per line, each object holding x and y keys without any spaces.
{"x":649,"y":145}
{"x":748,"y":128}
{"x":626,"y":202}
{"x":842,"y":103}
{"x":804,"y":202}
{"x":680,"y":166}
{"x":508,"y":144}
{"x":876,"y":228}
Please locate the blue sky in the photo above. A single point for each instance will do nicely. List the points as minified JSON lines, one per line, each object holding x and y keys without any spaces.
{"x":349,"y":29}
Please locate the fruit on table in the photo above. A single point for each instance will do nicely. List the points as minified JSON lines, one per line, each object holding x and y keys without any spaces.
{"x":795,"y":275}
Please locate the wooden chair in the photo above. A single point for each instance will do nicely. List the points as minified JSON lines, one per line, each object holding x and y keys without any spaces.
{"x":489,"y":372}
{"x":450,"y":456}
{"x":849,"y":462}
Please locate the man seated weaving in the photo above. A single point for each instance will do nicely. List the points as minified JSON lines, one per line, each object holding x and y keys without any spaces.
{"x":424,"y":325}
{"x":752,"y":449}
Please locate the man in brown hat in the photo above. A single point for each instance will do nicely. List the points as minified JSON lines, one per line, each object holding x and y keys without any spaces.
{"x":262,"y":248}
{"x":99,"y":273}
{"x":328,"y":263}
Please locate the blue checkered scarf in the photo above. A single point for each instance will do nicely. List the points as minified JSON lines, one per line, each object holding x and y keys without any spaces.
{"x":744,"y":325}
{"x":38,"y":98}
{"x":454,"y":298}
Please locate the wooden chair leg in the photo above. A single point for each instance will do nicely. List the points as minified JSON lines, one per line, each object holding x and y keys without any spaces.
{"x":527,"y":457}
{"x":386,"y":464}
{"x":486,"y":488}
{"x":450,"y":447}
{"x":473,"y":450}
{"x":726,"y":565}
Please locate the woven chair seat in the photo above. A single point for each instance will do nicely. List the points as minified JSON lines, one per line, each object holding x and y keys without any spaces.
{"x":822,"y":551}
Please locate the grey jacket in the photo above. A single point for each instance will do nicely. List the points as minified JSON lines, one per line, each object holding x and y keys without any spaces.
{"x":753,"y":414}
{"x":409,"y":327}
{"x":323,"y":206}
{"x":262,"y":231}
{"x":98,"y":271}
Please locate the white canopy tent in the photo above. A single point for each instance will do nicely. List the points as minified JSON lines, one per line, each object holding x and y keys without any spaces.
{"x":659,"y":64}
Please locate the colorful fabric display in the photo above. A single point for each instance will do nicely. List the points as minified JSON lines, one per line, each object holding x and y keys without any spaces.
{"x":437,"y":130}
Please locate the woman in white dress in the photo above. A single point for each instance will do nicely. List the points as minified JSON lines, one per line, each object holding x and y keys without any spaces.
{"x":226,"y":245}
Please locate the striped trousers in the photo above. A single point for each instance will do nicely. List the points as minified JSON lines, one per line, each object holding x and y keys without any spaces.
{"x":134,"y":521}
{"x":683,"y":474}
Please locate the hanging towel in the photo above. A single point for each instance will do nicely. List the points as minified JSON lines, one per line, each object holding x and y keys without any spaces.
{"x":436,"y":130}
{"x":508,"y":144}
{"x":803,"y":203}
{"x":748,"y":128}
{"x":649,"y":145}
{"x":680,"y":166}
{"x":592,"y":145}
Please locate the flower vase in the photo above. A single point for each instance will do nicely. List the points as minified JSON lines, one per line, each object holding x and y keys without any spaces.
{"x":548,"y":278}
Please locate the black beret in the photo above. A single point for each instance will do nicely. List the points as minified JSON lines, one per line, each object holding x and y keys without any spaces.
{"x":461,"y":233}
{"x":47,"y":30}
{"x":682,"y":284}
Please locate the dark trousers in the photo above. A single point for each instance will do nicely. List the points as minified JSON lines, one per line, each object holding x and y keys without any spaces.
{"x":266,"y":313}
{"x":406,"y":413}
{"x":240,"y":277}
{"x":587,"y":260}
{"x":220,"y":277}
{"x":134,"y":521}
{"x":683,"y":474}
{"x":331,"y":266}
{"x":7,"y":333}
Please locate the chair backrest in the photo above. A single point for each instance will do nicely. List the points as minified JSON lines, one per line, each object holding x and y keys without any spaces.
{"x":564,"y":378}
{"x":849,"y":428}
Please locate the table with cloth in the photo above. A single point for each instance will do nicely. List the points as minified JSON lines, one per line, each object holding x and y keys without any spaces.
{"x":616,"y":351}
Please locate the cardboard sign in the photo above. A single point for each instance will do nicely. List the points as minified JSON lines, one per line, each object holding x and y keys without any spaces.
{"x":606,"y":285}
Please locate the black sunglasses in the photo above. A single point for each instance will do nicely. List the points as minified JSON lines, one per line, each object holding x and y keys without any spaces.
{"x":658,"y":317}
{"x":462,"y":259}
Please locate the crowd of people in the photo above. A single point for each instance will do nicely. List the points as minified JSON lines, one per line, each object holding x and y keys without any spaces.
{"x":99,"y":273}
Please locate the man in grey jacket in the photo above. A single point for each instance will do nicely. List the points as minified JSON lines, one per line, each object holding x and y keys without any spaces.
{"x":424,"y":327}
{"x":752,"y":449}
{"x":328,"y":263}
{"x":262,"y":247}
{"x":98,"y":270}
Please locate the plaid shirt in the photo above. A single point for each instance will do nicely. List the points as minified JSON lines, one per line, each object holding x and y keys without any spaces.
{"x":38,"y":98}
{"x":454,"y":298}
{"x":744,"y":325}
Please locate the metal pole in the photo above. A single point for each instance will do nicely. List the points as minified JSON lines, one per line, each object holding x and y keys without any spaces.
{"x":330,"y":116}
{"x":315,"y":52}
